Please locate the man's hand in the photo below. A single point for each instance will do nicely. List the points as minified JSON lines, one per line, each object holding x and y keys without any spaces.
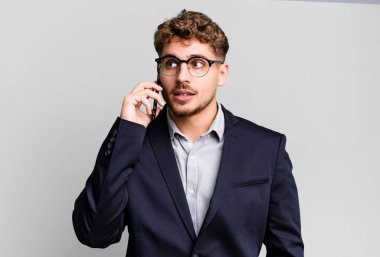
{"x":139,"y":96}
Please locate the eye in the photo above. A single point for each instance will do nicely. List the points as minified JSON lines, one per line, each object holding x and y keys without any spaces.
{"x":171,"y":63}
{"x":197,"y":63}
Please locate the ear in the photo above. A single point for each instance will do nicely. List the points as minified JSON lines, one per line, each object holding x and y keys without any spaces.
{"x":223,"y":74}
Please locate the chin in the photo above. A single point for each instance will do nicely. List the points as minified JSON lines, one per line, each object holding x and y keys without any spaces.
{"x":183,"y":111}
{"x":187,"y":109}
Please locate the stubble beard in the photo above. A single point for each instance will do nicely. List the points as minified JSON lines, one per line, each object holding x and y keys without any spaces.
{"x":182,"y":113}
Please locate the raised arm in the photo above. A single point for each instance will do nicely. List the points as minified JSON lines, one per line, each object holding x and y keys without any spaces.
{"x":98,"y":216}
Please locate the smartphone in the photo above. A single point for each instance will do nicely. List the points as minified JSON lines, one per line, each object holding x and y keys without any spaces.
{"x":154,"y":110}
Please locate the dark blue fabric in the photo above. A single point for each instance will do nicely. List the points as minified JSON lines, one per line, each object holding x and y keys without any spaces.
{"x":137,"y":184}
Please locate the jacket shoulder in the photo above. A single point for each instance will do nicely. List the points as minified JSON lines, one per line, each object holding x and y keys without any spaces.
{"x":254,"y":137}
{"x":250,"y":128}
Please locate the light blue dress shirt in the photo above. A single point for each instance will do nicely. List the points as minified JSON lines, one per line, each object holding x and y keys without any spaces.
{"x":198,"y":164}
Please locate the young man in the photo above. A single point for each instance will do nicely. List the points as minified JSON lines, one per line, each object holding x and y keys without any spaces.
{"x":196,"y":180}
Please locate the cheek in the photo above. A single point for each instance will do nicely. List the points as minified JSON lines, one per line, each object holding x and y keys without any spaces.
{"x":209,"y":85}
{"x":213,"y":78}
{"x":164,"y":81}
{"x":168,"y":84}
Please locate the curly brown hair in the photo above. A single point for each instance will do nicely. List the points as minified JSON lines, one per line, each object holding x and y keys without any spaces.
{"x":190,"y":24}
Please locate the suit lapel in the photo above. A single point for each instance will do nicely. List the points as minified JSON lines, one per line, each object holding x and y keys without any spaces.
{"x":158,"y":134}
{"x":230,"y":149}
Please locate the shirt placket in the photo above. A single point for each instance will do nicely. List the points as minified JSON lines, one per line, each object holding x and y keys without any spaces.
{"x":192,"y":185}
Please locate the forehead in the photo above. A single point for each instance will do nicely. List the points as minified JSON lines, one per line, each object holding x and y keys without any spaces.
{"x":185,"y":48}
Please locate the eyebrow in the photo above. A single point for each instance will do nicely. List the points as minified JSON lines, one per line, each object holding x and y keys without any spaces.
{"x":191,"y":56}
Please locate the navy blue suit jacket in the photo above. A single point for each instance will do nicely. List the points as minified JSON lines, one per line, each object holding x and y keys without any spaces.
{"x":136,"y":183}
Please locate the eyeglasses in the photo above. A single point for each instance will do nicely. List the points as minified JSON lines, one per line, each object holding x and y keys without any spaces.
{"x":197,"y":66}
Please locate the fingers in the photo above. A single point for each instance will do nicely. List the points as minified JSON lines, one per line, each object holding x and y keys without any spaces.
{"x":144,"y":101}
{"x":149,"y":90}
{"x":140,"y":96}
{"x":158,"y":110}
{"x":154,"y":95}
{"x":147,"y":85}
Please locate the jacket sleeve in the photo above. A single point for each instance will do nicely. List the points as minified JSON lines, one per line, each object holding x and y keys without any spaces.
{"x":283,"y":232}
{"x":98,"y":216}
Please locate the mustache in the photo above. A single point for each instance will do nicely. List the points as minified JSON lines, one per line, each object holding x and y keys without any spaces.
{"x":186,"y":87}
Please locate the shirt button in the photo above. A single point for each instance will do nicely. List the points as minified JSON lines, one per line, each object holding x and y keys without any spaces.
{"x":191,"y":191}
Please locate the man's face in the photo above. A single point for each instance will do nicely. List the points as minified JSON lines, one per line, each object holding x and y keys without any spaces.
{"x":185,"y":94}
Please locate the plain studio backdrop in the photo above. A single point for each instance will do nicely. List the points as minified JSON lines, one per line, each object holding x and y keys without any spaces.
{"x":310,"y":70}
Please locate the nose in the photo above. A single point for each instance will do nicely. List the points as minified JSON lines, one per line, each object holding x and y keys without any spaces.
{"x":183,"y":73}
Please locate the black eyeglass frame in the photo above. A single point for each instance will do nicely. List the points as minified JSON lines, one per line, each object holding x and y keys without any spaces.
{"x":210,"y":62}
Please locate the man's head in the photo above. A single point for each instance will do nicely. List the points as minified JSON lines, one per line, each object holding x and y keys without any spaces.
{"x":192,"y":50}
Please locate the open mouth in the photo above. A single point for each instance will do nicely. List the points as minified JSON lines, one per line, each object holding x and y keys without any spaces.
{"x":183,"y":94}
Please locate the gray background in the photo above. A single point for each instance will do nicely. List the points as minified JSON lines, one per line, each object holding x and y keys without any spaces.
{"x":307,"y":69}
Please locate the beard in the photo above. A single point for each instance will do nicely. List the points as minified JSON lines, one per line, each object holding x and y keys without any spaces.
{"x":176,"y":109}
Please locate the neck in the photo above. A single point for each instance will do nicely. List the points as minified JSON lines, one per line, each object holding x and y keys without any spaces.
{"x":195,"y":125}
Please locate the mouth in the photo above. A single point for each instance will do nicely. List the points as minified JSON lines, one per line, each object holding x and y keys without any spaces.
{"x":182,"y":96}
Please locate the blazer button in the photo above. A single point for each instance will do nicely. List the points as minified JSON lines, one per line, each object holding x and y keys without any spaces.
{"x":196,"y":255}
{"x":112,"y":140}
{"x":114,"y":133}
{"x":107,"y":153}
{"x":109,"y":146}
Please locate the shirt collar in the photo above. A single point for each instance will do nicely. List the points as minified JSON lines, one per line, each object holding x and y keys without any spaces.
{"x":217,"y":125}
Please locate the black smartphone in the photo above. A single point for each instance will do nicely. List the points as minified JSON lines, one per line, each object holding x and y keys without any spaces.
{"x":154,"y":110}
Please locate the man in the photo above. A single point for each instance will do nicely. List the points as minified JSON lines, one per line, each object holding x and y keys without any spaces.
{"x":196,"y":180}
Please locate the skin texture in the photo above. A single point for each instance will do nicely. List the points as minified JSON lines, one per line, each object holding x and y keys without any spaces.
{"x":193,"y":114}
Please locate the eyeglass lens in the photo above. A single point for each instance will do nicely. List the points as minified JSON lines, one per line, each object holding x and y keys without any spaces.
{"x":197,"y":66}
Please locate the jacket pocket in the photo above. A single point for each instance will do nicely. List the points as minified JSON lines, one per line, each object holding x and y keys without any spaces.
{"x":250,"y":182}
